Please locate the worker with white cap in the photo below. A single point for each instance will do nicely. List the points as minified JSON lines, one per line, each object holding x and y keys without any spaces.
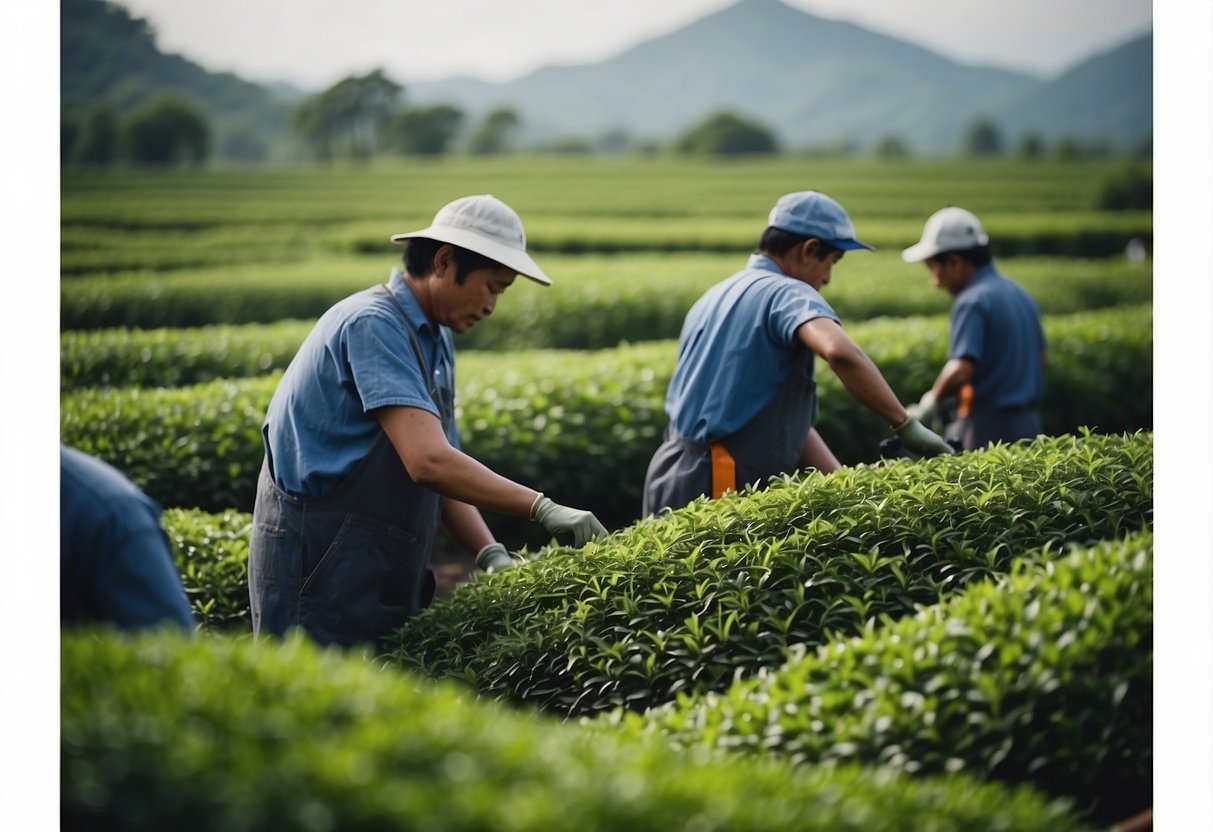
{"x":362,"y":453}
{"x":995,"y":371}
{"x":742,"y":403}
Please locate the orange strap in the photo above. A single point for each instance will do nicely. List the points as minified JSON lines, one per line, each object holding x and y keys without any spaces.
{"x":965,"y":406}
{"x":724,"y":472}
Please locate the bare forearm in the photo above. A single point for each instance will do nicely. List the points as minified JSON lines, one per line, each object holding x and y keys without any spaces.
{"x":955,"y":374}
{"x":465,"y":525}
{"x":433,"y":463}
{"x":457,"y":476}
{"x":817,"y":454}
{"x":863,"y":380}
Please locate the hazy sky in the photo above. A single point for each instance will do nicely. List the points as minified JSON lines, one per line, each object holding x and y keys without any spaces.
{"x":314,"y":43}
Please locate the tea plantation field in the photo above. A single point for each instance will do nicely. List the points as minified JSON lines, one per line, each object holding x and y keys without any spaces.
{"x":948,"y":644}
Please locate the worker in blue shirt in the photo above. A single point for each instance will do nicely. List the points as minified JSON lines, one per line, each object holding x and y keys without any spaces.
{"x":995,"y":373}
{"x":742,"y":403}
{"x":115,"y":564}
{"x":362,"y":454}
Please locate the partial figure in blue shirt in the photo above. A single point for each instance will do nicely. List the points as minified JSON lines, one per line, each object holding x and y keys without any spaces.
{"x":742,"y":403}
{"x":995,"y":373}
{"x":362,"y":454}
{"x":115,"y":564}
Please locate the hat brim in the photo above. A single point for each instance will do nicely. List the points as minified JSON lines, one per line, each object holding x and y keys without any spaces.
{"x":920,"y":251}
{"x":511,"y":258}
{"x":850,"y":245}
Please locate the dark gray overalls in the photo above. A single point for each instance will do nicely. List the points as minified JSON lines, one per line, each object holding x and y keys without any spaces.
{"x":768,"y":445}
{"x":352,"y":565}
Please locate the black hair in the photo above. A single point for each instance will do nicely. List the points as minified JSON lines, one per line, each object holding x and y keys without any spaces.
{"x":777,"y":241}
{"x":978,"y":255}
{"x":419,"y":253}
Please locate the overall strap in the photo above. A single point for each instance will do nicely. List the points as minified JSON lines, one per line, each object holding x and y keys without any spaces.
{"x":408,"y":327}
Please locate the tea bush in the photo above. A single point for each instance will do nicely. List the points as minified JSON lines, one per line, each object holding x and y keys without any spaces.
{"x":176,"y":357}
{"x":159,"y":732}
{"x":211,"y":554}
{"x":595,"y":302}
{"x":1044,"y":677}
{"x":717,"y":590}
{"x":582,"y":426}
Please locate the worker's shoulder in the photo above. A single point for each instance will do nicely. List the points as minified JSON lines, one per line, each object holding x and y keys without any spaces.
{"x":361,"y":307}
{"x":87,"y":480}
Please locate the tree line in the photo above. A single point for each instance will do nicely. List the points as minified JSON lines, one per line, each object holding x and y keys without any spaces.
{"x":365,"y":116}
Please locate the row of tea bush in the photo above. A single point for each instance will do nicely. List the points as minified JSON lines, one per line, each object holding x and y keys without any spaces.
{"x":1045,"y":677}
{"x":162,"y":732}
{"x":594,"y":301}
{"x":582,"y":426}
{"x":719,"y":589}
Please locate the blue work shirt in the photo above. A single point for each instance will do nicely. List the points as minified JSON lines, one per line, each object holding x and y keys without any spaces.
{"x":358,"y":357}
{"x":115,"y":564}
{"x":996,"y":324}
{"x":738,"y":344}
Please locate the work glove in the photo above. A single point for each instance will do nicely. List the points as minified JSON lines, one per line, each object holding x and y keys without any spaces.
{"x":921,"y":440}
{"x":557,"y":518}
{"x":927,"y":409}
{"x":494,"y":558}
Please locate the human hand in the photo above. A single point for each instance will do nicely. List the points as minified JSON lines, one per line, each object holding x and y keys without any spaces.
{"x":927,"y":408}
{"x":557,"y":518}
{"x":920,"y":439}
{"x":494,"y":558}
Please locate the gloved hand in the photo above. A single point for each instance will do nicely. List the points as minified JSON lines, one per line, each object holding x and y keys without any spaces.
{"x":920,"y":440}
{"x":494,"y":558}
{"x":927,"y":408}
{"x":557,"y":518}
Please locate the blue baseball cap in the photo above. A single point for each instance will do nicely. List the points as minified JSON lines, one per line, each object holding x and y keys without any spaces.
{"x":813,"y":214}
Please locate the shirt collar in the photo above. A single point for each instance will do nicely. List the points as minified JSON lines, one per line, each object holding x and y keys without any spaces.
{"x":403,"y":293}
{"x":983,"y":273}
{"x":759,"y":260}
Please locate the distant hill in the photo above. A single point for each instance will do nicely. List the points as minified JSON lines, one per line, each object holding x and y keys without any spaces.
{"x":108,"y":56}
{"x":815,"y":81}
{"x":1110,"y":96}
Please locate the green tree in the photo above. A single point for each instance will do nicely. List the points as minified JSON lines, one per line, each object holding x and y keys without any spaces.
{"x":1031,"y":146}
{"x":98,"y":144}
{"x":568,"y":146}
{"x":69,"y":135}
{"x":494,"y":133}
{"x":727,"y":134}
{"x":168,"y":130}
{"x":1129,"y":189}
{"x":425,"y":131}
{"x":890,"y":146}
{"x":349,"y":117}
{"x":983,"y":139}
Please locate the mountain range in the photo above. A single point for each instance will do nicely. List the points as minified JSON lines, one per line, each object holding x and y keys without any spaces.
{"x":816,"y":81}
{"x":813,"y":81}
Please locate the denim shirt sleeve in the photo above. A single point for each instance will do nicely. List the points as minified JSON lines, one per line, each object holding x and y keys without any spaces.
{"x":379,"y":361}
{"x":794,"y":304}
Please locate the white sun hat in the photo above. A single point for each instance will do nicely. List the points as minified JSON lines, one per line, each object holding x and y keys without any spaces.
{"x":948,"y":229}
{"x":486,"y":225}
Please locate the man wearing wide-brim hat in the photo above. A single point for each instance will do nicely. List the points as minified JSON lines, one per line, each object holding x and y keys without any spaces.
{"x":995,"y":372}
{"x":362,"y":453}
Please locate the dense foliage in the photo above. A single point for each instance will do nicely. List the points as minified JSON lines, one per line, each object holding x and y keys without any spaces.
{"x":211,"y":554}
{"x":1043,"y":677}
{"x":716,"y":590}
{"x":597,"y":302}
{"x":584,"y":425}
{"x":163,"y":733}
